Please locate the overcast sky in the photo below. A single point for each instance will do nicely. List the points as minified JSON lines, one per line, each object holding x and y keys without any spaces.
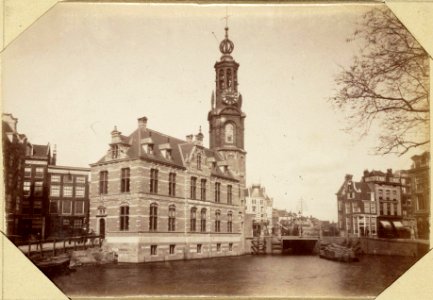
{"x":83,"y":68}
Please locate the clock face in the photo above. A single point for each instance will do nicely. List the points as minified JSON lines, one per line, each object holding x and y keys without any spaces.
{"x":229,"y":99}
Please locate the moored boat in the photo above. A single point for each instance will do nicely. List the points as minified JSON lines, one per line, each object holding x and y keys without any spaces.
{"x":338,"y":253}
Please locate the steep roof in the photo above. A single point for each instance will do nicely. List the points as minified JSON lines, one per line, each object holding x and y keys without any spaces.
{"x":181,"y":150}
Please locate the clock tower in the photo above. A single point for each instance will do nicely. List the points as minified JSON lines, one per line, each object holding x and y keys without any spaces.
{"x":226,"y":119}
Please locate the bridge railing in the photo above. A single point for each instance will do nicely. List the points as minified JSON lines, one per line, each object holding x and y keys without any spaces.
{"x":55,"y":246}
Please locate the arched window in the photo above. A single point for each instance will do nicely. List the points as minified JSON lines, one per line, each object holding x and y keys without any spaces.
{"x":229,"y":221}
{"x":229,"y":131}
{"x":229,"y":79}
{"x":221,"y":79}
{"x":199,"y":161}
{"x":153,"y":218}
{"x":171,"y":218}
{"x":203,"y":220}
{"x":193,"y":218}
{"x":124,"y":218}
{"x":217,"y":221}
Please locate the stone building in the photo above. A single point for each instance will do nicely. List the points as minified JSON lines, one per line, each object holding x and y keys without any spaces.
{"x":28,"y":170}
{"x":156,"y":197}
{"x":14,"y":151}
{"x":68,"y":200}
{"x":361,"y":205}
{"x":357,"y":208}
{"x":420,"y":180}
{"x":259,"y":204}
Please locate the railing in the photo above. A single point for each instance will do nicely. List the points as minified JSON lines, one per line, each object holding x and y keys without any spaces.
{"x":55,"y":246}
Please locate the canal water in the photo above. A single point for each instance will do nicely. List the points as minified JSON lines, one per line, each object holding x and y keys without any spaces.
{"x":278,"y":275}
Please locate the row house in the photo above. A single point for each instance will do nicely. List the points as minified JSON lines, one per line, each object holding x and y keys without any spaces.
{"x":357,"y":208}
{"x":68,"y":200}
{"x":155,"y":197}
{"x":14,"y":151}
{"x":420,"y":187}
{"x":28,"y":171}
{"x":259,"y":204}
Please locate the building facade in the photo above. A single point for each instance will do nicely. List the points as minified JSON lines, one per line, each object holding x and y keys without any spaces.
{"x":30,"y":192}
{"x":14,"y":151}
{"x":420,"y":185}
{"x":156,"y":197}
{"x":361,"y":205}
{"x":259,"y":204}
{"x":68,"y":201}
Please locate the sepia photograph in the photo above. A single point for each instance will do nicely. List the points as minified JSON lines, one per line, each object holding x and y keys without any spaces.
{"x":217,"y":150}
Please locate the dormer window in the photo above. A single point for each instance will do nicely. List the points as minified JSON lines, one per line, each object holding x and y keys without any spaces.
{"x":150,"y":149}
{"x":115,"y":151}
{"x":168,"y":154}
{"x":199,"y":161}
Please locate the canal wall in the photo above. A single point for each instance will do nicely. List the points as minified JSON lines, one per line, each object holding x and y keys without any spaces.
{"x":378,"y":246}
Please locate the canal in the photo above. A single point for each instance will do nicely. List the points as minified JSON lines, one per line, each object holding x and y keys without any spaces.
{"x":279,"y":275}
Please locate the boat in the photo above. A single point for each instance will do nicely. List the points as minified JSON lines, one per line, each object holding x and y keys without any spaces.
{"x":53,"y":264}
{"x":338,"y":252}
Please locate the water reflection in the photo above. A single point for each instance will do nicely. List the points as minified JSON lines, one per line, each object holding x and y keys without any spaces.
{"x":245,"y":275}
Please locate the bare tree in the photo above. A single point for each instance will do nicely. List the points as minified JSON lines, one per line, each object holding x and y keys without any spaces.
{"x":387,"y":85}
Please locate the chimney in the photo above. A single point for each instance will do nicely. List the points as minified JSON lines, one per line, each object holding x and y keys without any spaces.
{"x":189,"y":138}
{"x":115,"y":136}
{"x":389,"y":172}
{"x":54,"y":157}
{"x":142,"y":122}
{"x":199,"y":138}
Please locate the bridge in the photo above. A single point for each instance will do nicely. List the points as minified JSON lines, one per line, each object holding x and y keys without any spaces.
{"x":283,"y":244}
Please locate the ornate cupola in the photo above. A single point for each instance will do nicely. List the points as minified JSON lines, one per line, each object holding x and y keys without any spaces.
{"x":226,"y":119}
{"x":227,"y":73}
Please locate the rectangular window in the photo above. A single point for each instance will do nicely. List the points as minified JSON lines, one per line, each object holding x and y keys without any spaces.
{"x":381,"y":205}
{"x":199,"y":161}
{"x":154,"y":181}
{"x":124,"y":184}
{"x":27,"y":171}
{"x":67,"y":178}
{"x":203,"y":190}
{"x":80,"y":179}
{"x":218,"y":247}
{"x":39,"y":172}
{"x":55,"y":191}
{"x":230,"y":246}
{"x":153,"y":218}
{"x":367,"y":207}
{"x":78,"y":223}
{"x":388,"y":209}
{"x":254,"y":208}
{"x":347,"y":208}
{"x":39,"y":188}
{"x":217,"y":192}
{"x":198,"y":248}
{"x":373,"y":208}
{"x":26,"y":188}
{"x":229,"y":194}
{"x":340,"y":205}
{"x":54,"y":207}
{"x":193,"y":188}
{"x":124,"y":218}
{"x":420,"y":202}
{"x":103,"y":182}
{"x":67,"y":207}
{"x":172,"y":247}
{"x":79,"y":207}
{"x":55,"y":178}
{"x":172,"y":184}
{"x":67,"y":191}
{"x":37,"y":207}
{"x":80,"y":191}
{"x":395,"y":210}
{"x":229,"y":222}
{"x":171,"y":218}
{"x":153,"y":249}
